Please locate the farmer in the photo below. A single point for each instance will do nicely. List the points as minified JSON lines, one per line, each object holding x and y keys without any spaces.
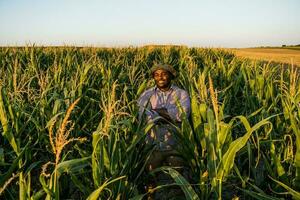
{"x":159,"y":105}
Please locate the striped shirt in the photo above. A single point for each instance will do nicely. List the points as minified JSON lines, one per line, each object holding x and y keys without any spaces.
{"x":162,"y":134}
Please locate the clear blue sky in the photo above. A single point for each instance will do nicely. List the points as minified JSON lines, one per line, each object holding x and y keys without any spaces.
{"x":206,"y":23}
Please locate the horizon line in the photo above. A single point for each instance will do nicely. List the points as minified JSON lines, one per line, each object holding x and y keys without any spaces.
{"x":140,"y":45}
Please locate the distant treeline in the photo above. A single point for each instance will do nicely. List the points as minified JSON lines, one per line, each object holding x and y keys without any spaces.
{"x":284,"y":45}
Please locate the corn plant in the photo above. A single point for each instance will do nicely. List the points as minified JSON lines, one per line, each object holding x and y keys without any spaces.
{"x":242,"y":138}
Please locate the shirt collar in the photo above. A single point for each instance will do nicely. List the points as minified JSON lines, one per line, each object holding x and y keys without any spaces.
{"x":171,"y":88}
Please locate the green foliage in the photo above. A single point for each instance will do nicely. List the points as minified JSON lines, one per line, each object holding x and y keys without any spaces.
{"x":39,"y":84}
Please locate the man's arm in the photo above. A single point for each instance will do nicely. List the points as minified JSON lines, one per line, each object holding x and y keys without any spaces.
{"x":145,"y":107}
{"x":163,"y":112}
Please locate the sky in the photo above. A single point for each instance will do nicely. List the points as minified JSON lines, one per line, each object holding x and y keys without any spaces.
{"x":199,"y":23}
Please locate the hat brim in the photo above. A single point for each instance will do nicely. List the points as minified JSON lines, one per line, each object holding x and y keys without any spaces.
{"x":164,"y":67}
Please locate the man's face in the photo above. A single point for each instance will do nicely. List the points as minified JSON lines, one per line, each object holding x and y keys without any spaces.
{"x":162,"y":78}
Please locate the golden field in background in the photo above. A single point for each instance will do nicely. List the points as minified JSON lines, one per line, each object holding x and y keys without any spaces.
{"x":280,"y":55}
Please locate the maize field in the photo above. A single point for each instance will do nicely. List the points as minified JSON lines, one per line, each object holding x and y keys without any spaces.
{"x":70,"y":128}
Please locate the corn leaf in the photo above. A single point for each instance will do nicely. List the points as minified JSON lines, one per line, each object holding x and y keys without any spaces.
{"x":228,"y":158}
{"x":295,"y":194}
{"x":95,"y":194}
{"x":182,"y":182}
{"x":72,"y":166}
{"x":4,"y":121}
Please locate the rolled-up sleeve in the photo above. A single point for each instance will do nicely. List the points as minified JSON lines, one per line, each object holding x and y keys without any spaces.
{"x":145,"y":107}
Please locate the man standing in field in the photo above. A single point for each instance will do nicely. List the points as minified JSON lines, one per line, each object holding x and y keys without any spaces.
{"x":159,"y":105}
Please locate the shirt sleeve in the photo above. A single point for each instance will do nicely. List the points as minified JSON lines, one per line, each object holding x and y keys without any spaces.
{"x":145,"y":107}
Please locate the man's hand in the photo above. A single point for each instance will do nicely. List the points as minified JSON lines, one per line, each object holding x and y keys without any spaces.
{"x":163,"y":112}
